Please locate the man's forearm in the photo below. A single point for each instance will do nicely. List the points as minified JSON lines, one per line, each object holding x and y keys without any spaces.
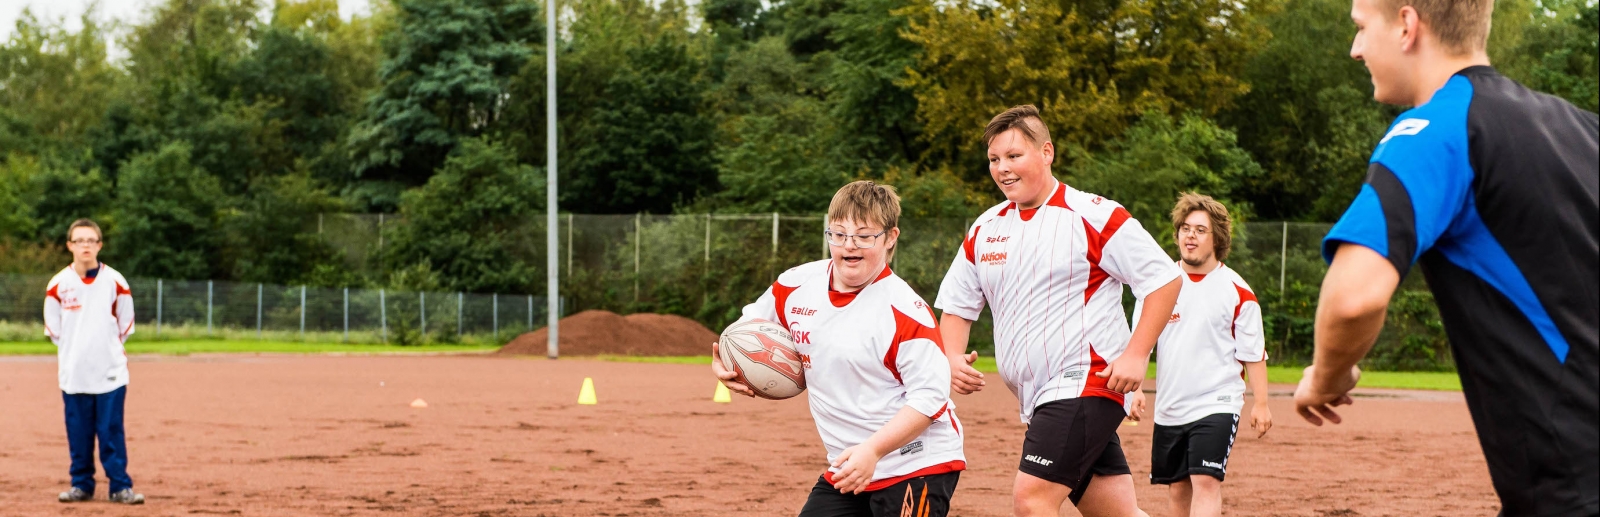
{"x":1350,"y":311}
{"x":955,"y":331}
{"x":1153,"y":319}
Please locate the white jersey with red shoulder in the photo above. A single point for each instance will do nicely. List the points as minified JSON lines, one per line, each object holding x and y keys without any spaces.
{"x":1215,"y":328}
{"x":89,"y":319}
{"x":1052,"y":277}
{"x":867,"y":354}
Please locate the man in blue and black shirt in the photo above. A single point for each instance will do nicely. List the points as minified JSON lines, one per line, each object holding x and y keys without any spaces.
{"x":1492,"y":189}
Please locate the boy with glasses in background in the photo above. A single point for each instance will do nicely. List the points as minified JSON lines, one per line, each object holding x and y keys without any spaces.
{"x":88,"y":314}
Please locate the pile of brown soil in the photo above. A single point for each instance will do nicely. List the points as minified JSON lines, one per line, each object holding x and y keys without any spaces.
{"x":604,"y":332}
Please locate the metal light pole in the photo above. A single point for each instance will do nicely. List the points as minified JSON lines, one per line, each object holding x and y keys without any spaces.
{"x":553,"y":288}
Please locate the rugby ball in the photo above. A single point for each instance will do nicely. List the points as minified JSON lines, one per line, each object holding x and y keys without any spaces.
{"x":765,"y":358}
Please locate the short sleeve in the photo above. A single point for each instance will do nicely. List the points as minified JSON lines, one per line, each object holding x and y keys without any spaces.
{"x":1134,"y":258}
{"x":122,"y":308}
{"x":1418,"y":183}
{"x":960,"y":294}
{"x":916,"y":358}
{"x":52,"y":314}
{"x":770,"y":305}
{"x":1250,"y":343}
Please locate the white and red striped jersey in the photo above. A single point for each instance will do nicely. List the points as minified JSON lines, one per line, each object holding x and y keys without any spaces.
{"x":1215,"y":328}
{"x":867,"y":354}
{"x":89,"y":319}
{"x":1052,"y":278}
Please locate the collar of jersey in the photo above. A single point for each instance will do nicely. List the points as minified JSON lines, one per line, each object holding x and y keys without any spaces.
{"x":1197,"y":277}
{"x":840,"y":299}
{"x":1058,"y":199}
{"x":92,"y":273}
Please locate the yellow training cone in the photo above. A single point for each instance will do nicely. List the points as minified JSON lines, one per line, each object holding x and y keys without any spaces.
{"x":723,"y":395}
{"x":586,"y":395}
{"x":419,"y":404}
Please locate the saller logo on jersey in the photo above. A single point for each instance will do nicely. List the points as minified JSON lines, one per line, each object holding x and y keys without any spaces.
{"x":1037,"y":459}
{"x":1410,"y":126}
{"x":802,"y":311}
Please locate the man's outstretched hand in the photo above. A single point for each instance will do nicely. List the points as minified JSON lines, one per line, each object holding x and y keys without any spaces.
{"x":1315,"y":402}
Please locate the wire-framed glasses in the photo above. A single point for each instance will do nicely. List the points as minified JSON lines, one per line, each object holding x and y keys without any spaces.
{"x":861,"y":241}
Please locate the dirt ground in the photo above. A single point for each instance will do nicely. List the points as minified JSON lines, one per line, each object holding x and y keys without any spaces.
{"x":324,"y":435}
{"x":591,"y":333}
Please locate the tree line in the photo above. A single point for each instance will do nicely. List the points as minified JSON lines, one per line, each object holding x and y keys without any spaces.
{"x":207,"y":146}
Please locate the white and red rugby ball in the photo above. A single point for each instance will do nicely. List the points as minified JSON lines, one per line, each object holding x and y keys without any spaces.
{"x":764,"y":356}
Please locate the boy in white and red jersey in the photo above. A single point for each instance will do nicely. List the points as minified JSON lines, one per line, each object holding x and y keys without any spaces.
{"x":1212,"y":338}
{"x":1050,"y":263}
{"x":88,"y":314}
{"x":876,"y":375}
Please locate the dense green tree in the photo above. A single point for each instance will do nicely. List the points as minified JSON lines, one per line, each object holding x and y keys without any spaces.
{"x":649,"y":148}
{"x":274,"y":237}
{"x":1309,"y":118}
{"x":469,"y":223}
{"x":54,"y":85}
{"x":779,"y":150}
{"x":635,"y":134}
{"x":180,"y":86}
{"x":1555,"y":47}
{"x":876,"y":115}
{"x":446,"y":69}
{"x":16,"y":212}
{"x":1158,"y":158}
{"x":167,"y":219}
{"x":66,"y":195}
{"x":1092,"y":66}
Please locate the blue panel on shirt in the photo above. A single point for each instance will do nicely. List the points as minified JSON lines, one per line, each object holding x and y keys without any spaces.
{"x":1362,"y":224}
{"x":1426,"y":150}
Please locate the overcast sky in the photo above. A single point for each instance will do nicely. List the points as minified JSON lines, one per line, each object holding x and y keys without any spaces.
{"x":125,"y":10}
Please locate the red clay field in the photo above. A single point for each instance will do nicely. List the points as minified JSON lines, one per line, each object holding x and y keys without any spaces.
{"x":324,"y":435}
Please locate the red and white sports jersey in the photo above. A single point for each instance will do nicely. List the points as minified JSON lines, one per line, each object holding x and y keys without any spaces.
{"x":89,"y":319}
{"x":867,"y":354}
{"x":1215,"y":329}
{"x":1052,"y":277}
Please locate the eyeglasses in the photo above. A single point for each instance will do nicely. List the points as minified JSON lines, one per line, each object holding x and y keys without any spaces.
{"x":1197,"y":231}
{"x":84,"y":242}
{"x":861,"y":241}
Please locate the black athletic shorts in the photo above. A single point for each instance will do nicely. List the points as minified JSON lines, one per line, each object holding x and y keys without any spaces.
{"x":1198,"y":447}
{"x":926,"y":496}
{"x":1070,"y":441}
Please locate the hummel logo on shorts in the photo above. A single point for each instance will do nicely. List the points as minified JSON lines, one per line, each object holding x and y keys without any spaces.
{"x":1037,"y":459}
{"x":1211,"y":464}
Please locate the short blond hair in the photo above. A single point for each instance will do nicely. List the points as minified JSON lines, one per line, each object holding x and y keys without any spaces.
{"x":1221,"y":222}
{"x":85,"y":223}
{"x":866,"y":202}
{"x":1461,"y":25}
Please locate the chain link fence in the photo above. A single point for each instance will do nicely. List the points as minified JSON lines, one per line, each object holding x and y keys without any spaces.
{"x":187,"y":309}
{"x":703,"y":266}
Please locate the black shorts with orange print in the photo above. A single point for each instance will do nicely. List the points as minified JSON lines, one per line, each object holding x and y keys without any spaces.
{"x":926,"y":496}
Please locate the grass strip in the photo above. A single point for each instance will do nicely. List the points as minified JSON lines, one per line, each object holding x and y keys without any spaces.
{"x":218,"y":346}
